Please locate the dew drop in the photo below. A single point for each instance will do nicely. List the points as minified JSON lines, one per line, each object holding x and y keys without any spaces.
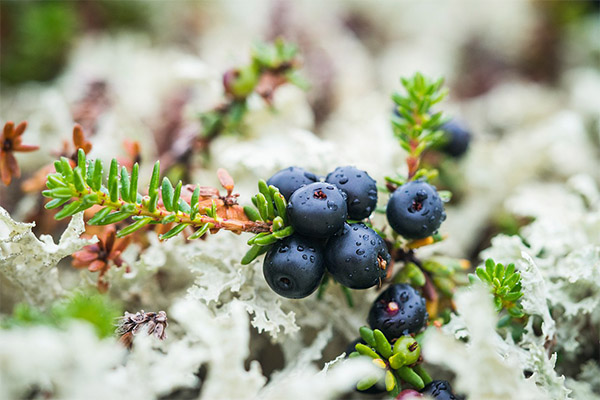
{"x":358,"y":243}
{"x":343,"y":180}
{"x":300,"y":248}
{"x":360,"y":252}
{"x":312,"y":259}
{"x":404,"y":296}
{"x":304,"y":257}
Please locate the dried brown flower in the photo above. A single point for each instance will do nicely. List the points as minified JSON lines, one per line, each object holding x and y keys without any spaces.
{"x":10,"y":142}
{"x":151,"y":323}
{"x":102,"y":255}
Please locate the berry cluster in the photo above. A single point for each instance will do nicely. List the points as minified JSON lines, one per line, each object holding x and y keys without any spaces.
{"x":354,"y":254}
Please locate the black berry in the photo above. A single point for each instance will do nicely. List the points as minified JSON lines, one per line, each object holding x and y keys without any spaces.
{"x":398,"y":311}
{"x":290,"y":179}
{"x":357,"y":257}
{"x":440,"y":390}
{"x":360,"y":188}
{"x":457,"y":138}
{"x":294,"y":266}
{"x":317,"y":210}
{"x":415,"y":210}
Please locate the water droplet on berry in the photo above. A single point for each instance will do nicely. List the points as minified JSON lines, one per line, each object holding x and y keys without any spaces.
{"x":312,"y":259}
{"x":312,"y":249}
{"x":283,"y":249}
{"x":300,"y":248}
{"x":355,"y":228}
{"x":331,"y":205}
{"x":304,"y":257}
{"x":373,"y":242}
{"x":355,"y":202}
{"x":347,"y":259}
{"x":360,"y":252}
{"x":329,"y":187}
{"x":343,"y":180}
{"x":404,"y":296}
{"x":358,"y":243}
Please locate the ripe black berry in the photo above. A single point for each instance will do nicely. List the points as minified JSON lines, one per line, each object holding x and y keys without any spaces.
{"x":415,"y":210}
{"x":457,"y":138}
{"x":357,"y":257}
{"x":294,"y":266}
{"x":440,"y":390}
{"x":317,"y":210}
{"x":360,"y":188}
{"x":398,"y":311}
{"x":290,"y":179}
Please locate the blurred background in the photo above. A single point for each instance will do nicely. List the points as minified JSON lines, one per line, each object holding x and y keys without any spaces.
{"x":142,"y":78}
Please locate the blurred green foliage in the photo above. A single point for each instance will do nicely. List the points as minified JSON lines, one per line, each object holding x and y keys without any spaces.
{"x":96,"y":309}
{"x":36,"y":36}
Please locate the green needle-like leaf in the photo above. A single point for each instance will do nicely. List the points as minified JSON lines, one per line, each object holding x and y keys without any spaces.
{"x":99,"y":216}
{"x":382,"y":345}
{"x":367,"y":335}
{"x":167,"y":194}
{"x":113,"y":218}
{"x":366,"y":383}
{"x":137,"y":225}
{"x":411,"y":377}
{"x":262,"y":206}
{"x":69,"y":210}
{"x":422,"y":373}
{"x":251,"y":255}
{"x":97,"y":177}
{"x":200,"y":232}
{"x":133,"y":188}
{"x":174,"y":232}
{"x":397,"y":360}
{"x":176,"y":195}
{"x":125,"y":184}
{"x":252,"y":214}
{"x":366,"y":351}
{"x":390,"y":381}
{"x":55,"y":203}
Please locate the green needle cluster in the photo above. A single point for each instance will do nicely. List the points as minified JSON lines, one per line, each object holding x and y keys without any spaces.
{"x":505,"y":285}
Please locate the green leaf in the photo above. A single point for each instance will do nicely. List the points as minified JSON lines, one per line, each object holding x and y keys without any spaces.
{"x":137,"y":225}
{"x":489,"y":268}
{"x":53,"y":181}
{"x":174,"y":232}
{"x":283,"y":233}
{"x":262,"y":206}
{"x":67,"y":171}
{"x":55,"y":203}
{"x":382,"y":344}
{"x":265,"y":240}
{"x":134,"y":183}
{"x":58,"y":166}
{"x":499,"y":272}
{"x":281,"y":206}
{"x":367,"y":335}
{"x":155,"y":179}
{"x":167,"y":194}
{"x":176,"y":195}
{"x":422,"y":373}
{"x":72,"y":208}
{"x":252,"y":214}
{"x":125,"y":185}
{"x":411,"y":377}
{"x":482,"y":275}
{"x":366,"y":351}
{"x":194,"y":203}
{"x":366,"y":383}
{"x":99,"y":216}
{"x":516,"y":312}
{"x":390,"y":381}
{"x":277,"y":224}
{"x":96,"y":183}
{"x":512,"y":280}
{"x":59,"y":193}
{"x":113,"y":218}
{"x":81,"y":161}
{"x":183,"y":206}
{"x":513,"y":296}
{"x":251,"y":255}
{"x":200,"y":232}
{"x":397,"y":360}
{"x":510,"y":269}
{"x":264,"y":190}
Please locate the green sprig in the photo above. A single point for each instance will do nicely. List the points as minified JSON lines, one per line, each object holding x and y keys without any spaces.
{"x":270,"y":207}
{"x":399,"y":363}
{"x":505,"y":285}
{"x":118,"y":198}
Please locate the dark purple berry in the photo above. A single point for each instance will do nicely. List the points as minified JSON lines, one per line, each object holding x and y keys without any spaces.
{"x":440,"y":390}
{"x":415,"y":210}
{"x":290,"y":179}
{"x":360,"y":188}
{"x":294,"y":266}
{"x":357,"y":257}
{"x":317,"y":210}
{"x":457,"y":138}
{"x":399,"y":310}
